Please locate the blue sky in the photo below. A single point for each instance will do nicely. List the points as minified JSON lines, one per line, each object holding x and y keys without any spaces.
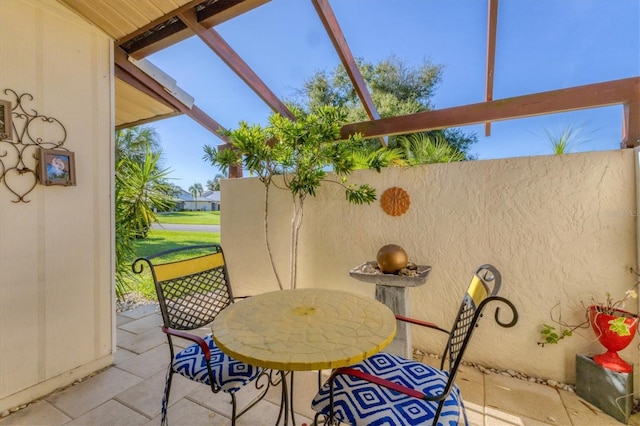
{"x":541,"y":45}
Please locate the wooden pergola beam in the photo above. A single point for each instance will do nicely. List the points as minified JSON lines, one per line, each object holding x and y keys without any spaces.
{"x":331,"y":25}
{"x":625,"y":92}
{"x":191,"y":5}
{"x":492,"y":26}
{"x":216,"y":43}
{"x":147,"y":120}
{"x":631,"y":121}
{"x":134,"y":76}
{"x":213,"y":13}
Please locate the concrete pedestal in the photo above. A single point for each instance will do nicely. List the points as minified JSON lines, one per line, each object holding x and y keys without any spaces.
{"x":608,"y":390}
{"x":396,"y":299}
{"x":392,"y":291}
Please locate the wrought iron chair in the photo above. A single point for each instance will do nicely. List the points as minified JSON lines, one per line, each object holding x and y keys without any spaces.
{"x":388,"y":389}
{"x":191,"y":292}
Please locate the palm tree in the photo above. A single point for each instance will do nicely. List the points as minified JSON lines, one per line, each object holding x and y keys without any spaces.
{"x":214,"y":184}
{"x":425,"y":148}
{"x":139,"y":189}
{"x":174,"y":190}
{"x":196,"y":190}
{"x":418,"y":148}
{"x":134,"y":142}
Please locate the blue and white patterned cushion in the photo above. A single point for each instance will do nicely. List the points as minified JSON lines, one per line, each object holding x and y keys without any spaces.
{"x":229,"y":374}
{"x":359,"y":402}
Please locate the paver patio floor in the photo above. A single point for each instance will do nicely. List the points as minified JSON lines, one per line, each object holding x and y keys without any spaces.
{"x":130,"y":392}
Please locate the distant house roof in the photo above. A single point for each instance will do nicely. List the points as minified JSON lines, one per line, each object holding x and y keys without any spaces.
{"x":210,"y":196}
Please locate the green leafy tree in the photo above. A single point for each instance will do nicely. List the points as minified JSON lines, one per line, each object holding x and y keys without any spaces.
{"x":196,"y":191}
{"x":140,"y":188}
{"x":396,"y":89}
{"x":301,"y":151}
{"x":173,"y":189}
{"x":260,"y":158}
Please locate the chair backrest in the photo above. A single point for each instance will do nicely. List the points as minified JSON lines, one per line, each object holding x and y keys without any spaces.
{"x":190,"y":291}
{"x":484,"y":287}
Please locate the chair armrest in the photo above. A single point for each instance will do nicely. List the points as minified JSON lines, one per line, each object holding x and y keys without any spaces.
{"x":197,"y":339}
{"x":421,"y":323}
{"x":386,"y":383}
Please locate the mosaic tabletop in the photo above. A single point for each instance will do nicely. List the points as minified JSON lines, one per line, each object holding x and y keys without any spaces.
{"x":304,"y":329}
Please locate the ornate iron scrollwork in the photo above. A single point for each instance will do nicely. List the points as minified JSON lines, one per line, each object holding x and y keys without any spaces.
{"x":19,"y":156}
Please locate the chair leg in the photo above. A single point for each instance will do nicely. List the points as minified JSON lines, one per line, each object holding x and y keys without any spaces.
{"x":165,"y":398}
{"x":325,"y":422}
{"x":263,"y":388}
{"x":464,"y":412}
{"x":233,"y":409}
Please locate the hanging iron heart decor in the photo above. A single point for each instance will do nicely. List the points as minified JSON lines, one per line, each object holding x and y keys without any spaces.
{"x":25,"y":132}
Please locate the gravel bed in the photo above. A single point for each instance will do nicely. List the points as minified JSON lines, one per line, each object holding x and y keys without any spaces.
{"x":418,"y":354}
{"x":132,"y":301}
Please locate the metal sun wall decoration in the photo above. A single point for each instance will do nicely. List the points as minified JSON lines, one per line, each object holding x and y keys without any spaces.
{"x":26,"y":136}
{"x":395,"y":201}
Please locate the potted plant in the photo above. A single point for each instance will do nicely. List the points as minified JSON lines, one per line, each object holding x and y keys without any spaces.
{"x":615,"y":329}
{"x":613,"y":326}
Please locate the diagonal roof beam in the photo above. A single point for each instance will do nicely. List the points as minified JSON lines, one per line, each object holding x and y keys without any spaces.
{"x":131,"y":74}
{"x":216,"y":43}
{"x":334,"y":31}
{"x":492,"y":26}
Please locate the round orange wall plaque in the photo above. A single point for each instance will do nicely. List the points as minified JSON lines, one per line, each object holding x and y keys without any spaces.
{"x":395,"y":201}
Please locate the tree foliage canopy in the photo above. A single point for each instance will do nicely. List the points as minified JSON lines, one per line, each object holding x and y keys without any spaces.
{"x":396,"y":89}
{"x":300,"y":151}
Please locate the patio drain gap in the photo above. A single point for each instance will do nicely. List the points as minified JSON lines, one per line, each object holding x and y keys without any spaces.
{"x":115,"y":398}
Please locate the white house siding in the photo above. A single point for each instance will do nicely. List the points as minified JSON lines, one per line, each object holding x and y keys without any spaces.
{"x":559,"y":228}
{"x":209,"y":201}
{"x":56,"y":252}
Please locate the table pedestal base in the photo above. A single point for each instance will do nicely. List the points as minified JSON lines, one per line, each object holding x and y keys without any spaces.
{"x":286,"y":399}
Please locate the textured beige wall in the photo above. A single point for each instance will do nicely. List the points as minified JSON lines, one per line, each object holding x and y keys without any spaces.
{"x":56,"y":312}
{"x":559,"y":228}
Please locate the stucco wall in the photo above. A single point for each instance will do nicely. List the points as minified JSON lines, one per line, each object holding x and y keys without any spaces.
{"x":56,"y":302}
{"x":559,"y":228}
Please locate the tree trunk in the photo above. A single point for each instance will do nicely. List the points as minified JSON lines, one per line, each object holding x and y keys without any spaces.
{"x":266,"y":234}
{"x":296,"y":223}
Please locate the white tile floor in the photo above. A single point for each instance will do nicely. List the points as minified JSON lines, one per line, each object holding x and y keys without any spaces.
{"x":130,"y":392}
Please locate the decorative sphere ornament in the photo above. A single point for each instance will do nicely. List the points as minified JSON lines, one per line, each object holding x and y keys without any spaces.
{"x":391,"y":258}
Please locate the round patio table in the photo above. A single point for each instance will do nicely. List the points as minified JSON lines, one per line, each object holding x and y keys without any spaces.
{"x":302,"y":330}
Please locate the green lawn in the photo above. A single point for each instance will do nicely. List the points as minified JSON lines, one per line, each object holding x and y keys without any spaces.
{"x":159,"y":240}
{"x":190,"y":218}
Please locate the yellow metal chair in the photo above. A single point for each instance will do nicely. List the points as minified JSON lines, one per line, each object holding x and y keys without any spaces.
{"x":391,"y":390}
{"x":191,"y":292}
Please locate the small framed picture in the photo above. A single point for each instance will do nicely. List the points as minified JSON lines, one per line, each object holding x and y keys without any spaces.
{"x":56,"y":167}
{"x":5,"y":120}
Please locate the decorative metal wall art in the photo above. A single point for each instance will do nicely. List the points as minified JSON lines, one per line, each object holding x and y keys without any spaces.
{"x":395,"y":201}
{"x":5,"y":120}
{"x":27,"y":137}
